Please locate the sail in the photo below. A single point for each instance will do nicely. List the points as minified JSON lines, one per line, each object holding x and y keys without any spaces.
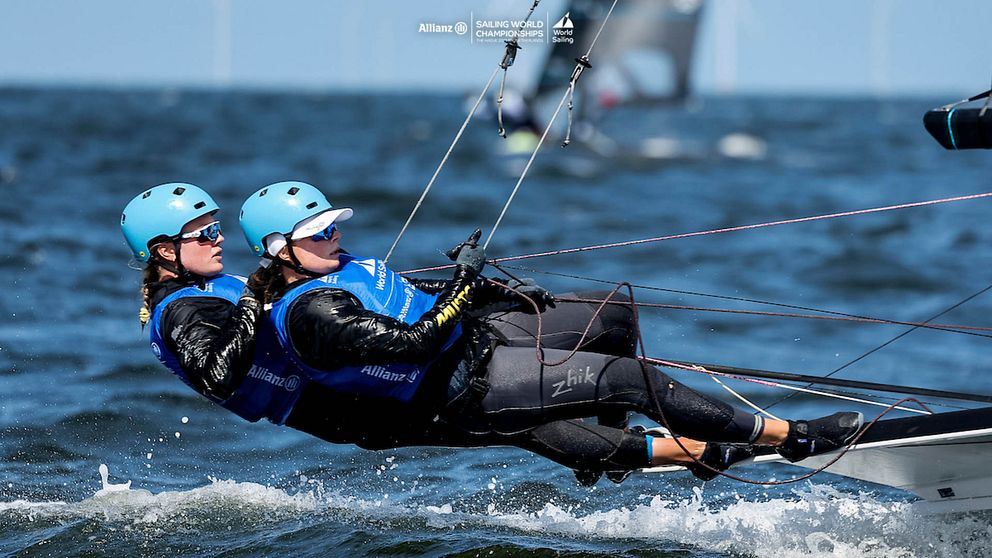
{"x":642,"y":57}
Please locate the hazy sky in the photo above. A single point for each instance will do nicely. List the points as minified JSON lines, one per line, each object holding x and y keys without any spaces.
{"x":838,"y":46}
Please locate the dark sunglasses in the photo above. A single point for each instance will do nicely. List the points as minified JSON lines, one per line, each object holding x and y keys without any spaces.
{"x":208,"y":233}
{"x":325,"y":234}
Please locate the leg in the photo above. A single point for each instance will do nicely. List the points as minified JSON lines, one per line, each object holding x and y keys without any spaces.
{"x":525,"y":394}
{"x":373,"y":423}
{"x":612,"y":331}
{"x":582,"y":445}
{"x":591,"y":449}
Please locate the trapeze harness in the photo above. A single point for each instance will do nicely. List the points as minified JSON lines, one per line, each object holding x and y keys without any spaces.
{"x":384,"y":292}
{"x":272,"y":385}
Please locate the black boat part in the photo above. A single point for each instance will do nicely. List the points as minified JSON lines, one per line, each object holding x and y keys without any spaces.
{"x":961,"y":128}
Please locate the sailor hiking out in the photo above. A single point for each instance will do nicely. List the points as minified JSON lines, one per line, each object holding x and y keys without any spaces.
{"x":460,"y":358}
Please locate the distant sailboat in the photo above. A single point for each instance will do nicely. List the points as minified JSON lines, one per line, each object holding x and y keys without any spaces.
{"x":642,"y":59}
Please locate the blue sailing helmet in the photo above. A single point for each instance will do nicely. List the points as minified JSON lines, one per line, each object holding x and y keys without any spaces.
{"x":279,"y":208}
{"x":162,"y":211}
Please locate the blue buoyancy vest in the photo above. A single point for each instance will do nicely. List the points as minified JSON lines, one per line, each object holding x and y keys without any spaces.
{"x":382,"y":291}
{"x":272,"y":385}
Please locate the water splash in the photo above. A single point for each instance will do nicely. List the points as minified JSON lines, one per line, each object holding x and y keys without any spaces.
{"x":820,"y":521}
{"x":817,"y":520}
{"x":107,"y":487}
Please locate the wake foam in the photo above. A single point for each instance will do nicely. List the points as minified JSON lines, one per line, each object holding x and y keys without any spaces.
{"x":817,"y":521}
{"x":820,"y":522}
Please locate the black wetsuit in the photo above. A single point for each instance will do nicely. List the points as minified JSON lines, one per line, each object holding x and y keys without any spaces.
{"x":526,"y":404}
{"x":602,"y":379}
{"x":213,"y":340}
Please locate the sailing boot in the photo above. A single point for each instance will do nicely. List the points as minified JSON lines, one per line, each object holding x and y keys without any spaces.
{"x":812,"y":437}
{"x":619,"y":476}
{"x":719,"y":457}
{"x":587,"y":477}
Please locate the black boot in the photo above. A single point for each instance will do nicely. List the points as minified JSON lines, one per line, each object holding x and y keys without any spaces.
{"x":719,"y":457}
{"x":618,"y":476}
{"x":812,"y":437}
{"x":587,"y":477}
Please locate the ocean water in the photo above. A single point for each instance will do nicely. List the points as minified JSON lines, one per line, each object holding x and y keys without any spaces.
{"x":79,"y":387}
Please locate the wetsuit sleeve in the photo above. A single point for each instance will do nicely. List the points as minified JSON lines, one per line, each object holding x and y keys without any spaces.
{"x":329,"y":328}
{"x":214,"y":341}
{"x":484,"y":293}
{"x":430,"y":286}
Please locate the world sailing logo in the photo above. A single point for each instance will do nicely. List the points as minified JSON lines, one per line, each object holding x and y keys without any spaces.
{"x":561,"y":32}
{"x":565,"y":22}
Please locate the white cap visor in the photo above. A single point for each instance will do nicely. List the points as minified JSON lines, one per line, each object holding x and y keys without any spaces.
{"x":307,"y":228}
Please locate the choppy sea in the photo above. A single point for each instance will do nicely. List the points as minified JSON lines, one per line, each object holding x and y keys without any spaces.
{"x":79,"y":387}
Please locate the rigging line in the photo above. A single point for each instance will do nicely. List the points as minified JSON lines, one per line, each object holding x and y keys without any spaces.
{"x":853,"y":317}
{"x":982,"y":95}
{"x":952,"y":328}
{"x":512,"y":46}
{"x":896,"y":338}
{"x":745,"y":227}
{"x":839,"y":382}
{"x":913,"y":328}
{"x":719,"y":231}
{"x":702,"y":370}
{"x":458,"y":136}
{"x":821,"y":393}
{"x":748,"y":375}
{"x":444,"y":160}
{"x":878,"y":397}
{"x":581,"y":64}
{"x":743,"y":399}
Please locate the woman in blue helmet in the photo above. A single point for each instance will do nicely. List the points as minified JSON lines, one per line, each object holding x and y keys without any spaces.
{"x":204,"y":325}
{"x":404,"y":359}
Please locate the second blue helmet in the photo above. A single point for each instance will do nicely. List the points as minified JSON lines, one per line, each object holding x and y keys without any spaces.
{"x":278,"y":208}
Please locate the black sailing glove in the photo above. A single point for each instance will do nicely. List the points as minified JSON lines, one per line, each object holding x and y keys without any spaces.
{"x":494,"y":296}
{"x":469,"y":254}
{"x":526,"y":287}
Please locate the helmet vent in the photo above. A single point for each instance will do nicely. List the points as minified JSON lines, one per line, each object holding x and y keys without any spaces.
{"x":263,"y":192}
{"x":123,"y":218}
{"x":293,"y":191}
{"x":199,"y":205}
{"x":146,"y":194}
{"x":179,"y":191}
{"x":311,"y":205}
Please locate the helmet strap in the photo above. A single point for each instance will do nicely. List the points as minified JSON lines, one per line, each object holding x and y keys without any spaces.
{"x":177,"y":267}
{"x":295,"y":264}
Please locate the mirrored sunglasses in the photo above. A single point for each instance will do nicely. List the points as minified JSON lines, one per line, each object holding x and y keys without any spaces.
{"x":208,"y":233}
{"x":325,"y":234}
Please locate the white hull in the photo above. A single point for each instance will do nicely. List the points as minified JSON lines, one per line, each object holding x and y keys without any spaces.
{"x":944,"y":459}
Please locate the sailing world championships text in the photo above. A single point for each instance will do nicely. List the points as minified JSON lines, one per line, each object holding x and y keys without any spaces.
{"x":507,"y":29}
